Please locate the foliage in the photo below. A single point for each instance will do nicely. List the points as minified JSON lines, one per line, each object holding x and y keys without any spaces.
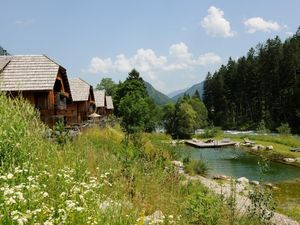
{"x":210,"y":132}
{"x":263,"y":85}
{"x":204,"y":208}
{"x":196,"y":167}
{"x":20,"y":131}
{"x":183,"y":118}
{"x":137,"y":111}
{"x":108,"y":85}
{"x":262,"y":205}
{"x":261,"y":128}
{"x":284,"y":129}
{"x":59,"y":133}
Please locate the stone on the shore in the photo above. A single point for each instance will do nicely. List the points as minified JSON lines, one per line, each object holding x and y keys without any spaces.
{"x":270,"y":147}
{"x":242,"y":180}
{"x":177,"y":163}
{"x":271,"y":186}
{"x":254,"y":182}
{"x":221,"y":177}
{"x":289,"y":160}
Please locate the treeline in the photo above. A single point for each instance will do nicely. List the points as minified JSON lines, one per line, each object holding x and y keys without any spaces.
{"x":138,"y":112}
{"x":262,"y":87}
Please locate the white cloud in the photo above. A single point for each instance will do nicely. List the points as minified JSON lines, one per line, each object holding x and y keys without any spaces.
{"x":99,"y":65}
{"x":288,"y":33}
{"x":24,"y":22}
{"x":146,"y":61}
{"x":255,"y":24}
{"x":215,"y":24}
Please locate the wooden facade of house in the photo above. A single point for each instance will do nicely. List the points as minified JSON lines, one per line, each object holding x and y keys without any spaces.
{"x":39,"y":80}
{"x":83,"y":103}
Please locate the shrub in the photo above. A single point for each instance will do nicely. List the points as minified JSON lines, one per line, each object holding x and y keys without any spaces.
{"x":210,"y":132}
{"x":196,"y":167}
{"x":204,"y":208}
{"x":262,"y":128}
{"x":284,"y":129}
{"x":60,"y":135}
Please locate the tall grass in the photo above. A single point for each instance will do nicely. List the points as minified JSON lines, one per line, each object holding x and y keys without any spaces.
{"x":95,"y":179}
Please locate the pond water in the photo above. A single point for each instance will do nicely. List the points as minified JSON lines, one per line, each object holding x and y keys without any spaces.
{"x":237,"y":163}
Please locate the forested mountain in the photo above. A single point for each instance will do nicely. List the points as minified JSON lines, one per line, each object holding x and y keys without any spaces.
{"x":158,"y":97}
{"x":263,"y":86}
{"x":174,"y":93}
{"x":190,"y":91}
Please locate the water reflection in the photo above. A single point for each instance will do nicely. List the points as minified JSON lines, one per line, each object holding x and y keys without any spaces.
{"x":236,"y":163}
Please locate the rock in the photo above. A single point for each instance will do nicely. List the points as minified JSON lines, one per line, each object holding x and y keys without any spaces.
{"x":254,"y":182}
{"x":221,"y":177}
{"x":270,"y":147}
{"x":242,"y":180}
{"x":261,"y":147}
{"x":269,"y":185}
{"x":255,"y":148}
{"x":177,"y":163}
{"x":289,"y":160}
{"x":156,"y":218}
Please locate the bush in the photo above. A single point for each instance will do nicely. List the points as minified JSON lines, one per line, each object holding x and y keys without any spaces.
{"x":284,"y":129}
{"x":262,"y":128}
{"x":196,"y":167}
{"x":204,"y":208}
{"x":210,"y":132}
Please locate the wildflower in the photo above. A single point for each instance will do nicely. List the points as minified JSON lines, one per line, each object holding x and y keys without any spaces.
{"x":10,"y":201}
{"x":30,"y":178}
{"x":3,"y":177}
{"x":45,"y":194}
{"x":70,"y":204}
{"x":47,"y":222}
{"x":79,"y":209}
{"x":10,"y":176}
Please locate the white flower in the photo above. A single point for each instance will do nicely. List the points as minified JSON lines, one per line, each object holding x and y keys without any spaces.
{"x":48,"y":222}
{"x":3,"y":177}
{"x":45,"y":194}
{"x":79,"y":209}
{"x":30,"y":178}
{"x":10,"y":176}
{"x":10,"y":201}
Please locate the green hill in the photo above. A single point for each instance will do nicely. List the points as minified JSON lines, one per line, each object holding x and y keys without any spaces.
{"x":191,"y":91}
{"x":158,"y":97}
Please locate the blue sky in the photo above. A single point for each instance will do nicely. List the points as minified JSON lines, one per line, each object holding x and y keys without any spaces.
{"x":172,"y":43}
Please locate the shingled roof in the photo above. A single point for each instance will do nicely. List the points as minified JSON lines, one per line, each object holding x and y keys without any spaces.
{"x":30,"y":72}
{"x":80,"y":89}
{"x":4,"y":60}
{"x":100,"y":98}
{"x":109,"y":102}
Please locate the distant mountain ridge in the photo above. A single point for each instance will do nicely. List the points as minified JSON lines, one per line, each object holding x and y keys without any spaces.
{"x":174,"y":93}
{"x":190,"y":91}
{"x":158,"y":97}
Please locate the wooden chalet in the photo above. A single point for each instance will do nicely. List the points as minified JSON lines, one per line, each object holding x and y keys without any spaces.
{"x":100,"y":102}
{"x":83,"y":103}
{"x":38,"y":79}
